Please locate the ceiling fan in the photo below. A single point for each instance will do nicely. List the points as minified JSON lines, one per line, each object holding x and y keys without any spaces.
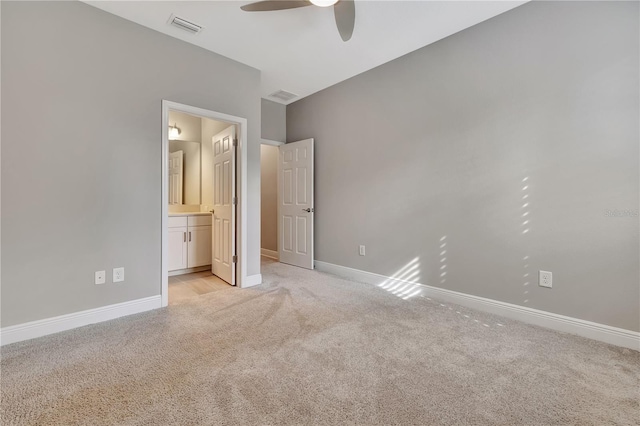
{"x":343,"y":10}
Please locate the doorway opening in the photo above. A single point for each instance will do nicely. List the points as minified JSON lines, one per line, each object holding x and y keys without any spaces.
{"x":269,"y":199}
{"x":203,"y":213}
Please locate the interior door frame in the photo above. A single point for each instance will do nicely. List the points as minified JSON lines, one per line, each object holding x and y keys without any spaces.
{"x":241,"y":190}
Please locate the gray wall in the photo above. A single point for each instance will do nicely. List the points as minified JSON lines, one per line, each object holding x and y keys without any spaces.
{"x":269,"y":197}
{"x":274,"y":119}
{"x":81,"y":191}
{"x":540,"y":102}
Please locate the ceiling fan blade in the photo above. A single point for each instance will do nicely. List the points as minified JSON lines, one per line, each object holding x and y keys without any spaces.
{"x":345,"y":13}
{"x":267,"y":5}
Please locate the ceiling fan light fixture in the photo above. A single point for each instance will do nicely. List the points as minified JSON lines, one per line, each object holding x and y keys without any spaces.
{"x":324,"y":3}
{"x":344,"y":11}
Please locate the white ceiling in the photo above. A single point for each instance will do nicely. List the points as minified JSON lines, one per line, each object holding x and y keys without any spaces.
{"x":300,"y":50}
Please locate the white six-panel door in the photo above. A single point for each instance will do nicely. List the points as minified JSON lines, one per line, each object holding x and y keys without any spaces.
{"x":295,"y":203}
{"x":224,"y":208}
{"x":175,"y":177}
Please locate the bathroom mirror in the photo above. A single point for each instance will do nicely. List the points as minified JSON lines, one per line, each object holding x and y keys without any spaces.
{"x":189,"y":193}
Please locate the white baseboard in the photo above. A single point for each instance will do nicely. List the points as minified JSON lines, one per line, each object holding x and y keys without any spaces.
{"x":252,"y":280}
{"x":604,"y":333}
{"x":272,"y":254}
{"x":39,"y":328}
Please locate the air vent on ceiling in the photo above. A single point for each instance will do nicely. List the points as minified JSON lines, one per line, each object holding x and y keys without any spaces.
{"x":185,"y":25}
{"x":283,"y":95}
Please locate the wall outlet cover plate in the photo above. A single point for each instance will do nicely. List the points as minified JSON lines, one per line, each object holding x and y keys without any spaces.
{"x":545,"y":279}
{"x":118,"y":275}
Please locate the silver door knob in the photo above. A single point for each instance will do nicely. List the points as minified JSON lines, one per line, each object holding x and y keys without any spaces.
{"x":308,"y":210}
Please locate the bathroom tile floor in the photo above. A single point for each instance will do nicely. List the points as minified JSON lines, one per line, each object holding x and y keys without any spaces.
{"x":182,"y":287}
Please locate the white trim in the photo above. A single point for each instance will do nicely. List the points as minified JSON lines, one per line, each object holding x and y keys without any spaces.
{"x":33,"y":329}
{"x":241,"y":185}
{"x":253,"y":280}
{"x":272,"y":254}
{"x":271,"y":142}
{"x":604,"y":333}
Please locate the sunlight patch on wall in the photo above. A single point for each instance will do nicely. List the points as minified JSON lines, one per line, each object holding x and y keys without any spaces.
{"x":525,"y":206}
{"x":404,"y":282}
{"x":526,"y":221}
{"x":443,"y":259}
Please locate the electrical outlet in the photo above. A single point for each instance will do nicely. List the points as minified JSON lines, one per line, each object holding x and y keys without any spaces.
{"x":545,"y":279}
{"x":101,"y":277}
{"x":362,"y":252}
{"x":118,"y":275}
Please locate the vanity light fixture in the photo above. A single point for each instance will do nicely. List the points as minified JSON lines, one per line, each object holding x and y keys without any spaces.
{"x":174,"y":132}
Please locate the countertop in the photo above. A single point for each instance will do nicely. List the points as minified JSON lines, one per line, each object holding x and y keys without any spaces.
{"x":190,"y":214}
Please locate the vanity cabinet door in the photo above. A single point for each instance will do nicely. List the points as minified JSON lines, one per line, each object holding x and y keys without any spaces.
{"x":177,"y":248}
{"x":199,"y":240}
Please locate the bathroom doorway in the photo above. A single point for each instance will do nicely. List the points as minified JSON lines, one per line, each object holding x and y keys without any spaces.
{"x":203,"y":214}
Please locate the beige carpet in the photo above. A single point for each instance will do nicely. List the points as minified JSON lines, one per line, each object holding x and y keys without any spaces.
{"x":308,"y":348}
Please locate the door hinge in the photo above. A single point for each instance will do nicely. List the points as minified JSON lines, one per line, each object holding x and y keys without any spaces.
{"x":234,"y":201}
{"x":235,"y":259}
{"x":235,"y":142}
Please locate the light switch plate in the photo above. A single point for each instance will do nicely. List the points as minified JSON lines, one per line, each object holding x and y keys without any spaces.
{"x":100,"y":277}
{"x":118,"y":275}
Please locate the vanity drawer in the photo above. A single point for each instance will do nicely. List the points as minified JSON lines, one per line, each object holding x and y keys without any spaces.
{"x":200,"y":220}
{"x":177,"y":221}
